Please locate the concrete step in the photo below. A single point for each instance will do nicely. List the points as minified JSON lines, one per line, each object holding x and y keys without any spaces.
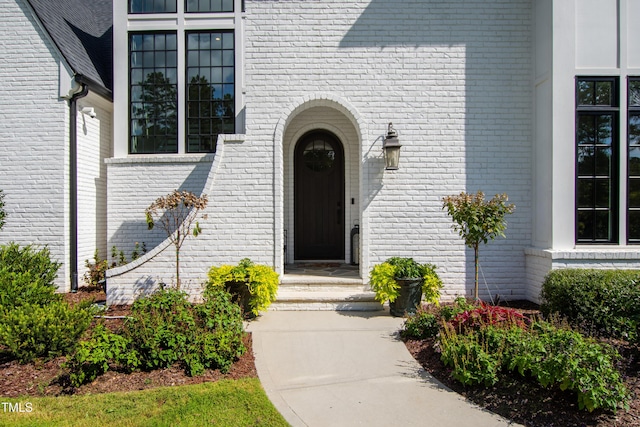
{"x":317,"y":294}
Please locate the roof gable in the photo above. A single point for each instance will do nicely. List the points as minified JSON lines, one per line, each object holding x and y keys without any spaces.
{"x":83,"y":32}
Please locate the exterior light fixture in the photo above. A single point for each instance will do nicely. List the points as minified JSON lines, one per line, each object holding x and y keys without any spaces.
{"x":391,"y":147}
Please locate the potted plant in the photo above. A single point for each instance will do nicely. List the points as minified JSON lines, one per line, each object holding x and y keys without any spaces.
{"x":252,"y":286}
{"x":402,"y":282}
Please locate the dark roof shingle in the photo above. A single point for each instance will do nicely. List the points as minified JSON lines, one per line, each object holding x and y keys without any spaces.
{"x":83,"y":32}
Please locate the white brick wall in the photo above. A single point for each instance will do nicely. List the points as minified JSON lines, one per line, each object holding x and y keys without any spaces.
{"x":455,"y":78}
{"x":94,"y":145}
{"x":135,"y":182}
{"x":34,"y":146}
{"x":238,"y":221}
{"x":33,"y":136}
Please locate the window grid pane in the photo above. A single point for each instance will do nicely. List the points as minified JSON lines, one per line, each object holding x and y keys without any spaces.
{"x":195,"y":6}
{"x":152,"y":6}
{"x":210,"y":89}
{"x":153,"y":126}
{"x":633,"y":166}
{"x":596,"y":145}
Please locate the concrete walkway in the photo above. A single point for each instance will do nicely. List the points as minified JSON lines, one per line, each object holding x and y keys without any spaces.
{"x":328,"y":368}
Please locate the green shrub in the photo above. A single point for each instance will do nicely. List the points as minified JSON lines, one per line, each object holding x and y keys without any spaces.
{"x":160,"y":326}
{"x":383,"y":279}
{"x":448,"y":312}
{"x":565,"y":359}
{"x":221,"y":319}
{"x":599,"y":302}
{"x":475,"y":357}
{"x":95,"y":356}
{"x":554,"y":357}
{"x":31,"y":331}
{"x":95,"y":276}
{"x":165,"y":328}
{"x":26,"y":276}
{"x":254,"y":287}
{"x":421,"y":325}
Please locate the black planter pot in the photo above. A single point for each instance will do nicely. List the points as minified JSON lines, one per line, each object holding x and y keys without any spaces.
{"x":409,"y":299}
{"x":240,"y":295}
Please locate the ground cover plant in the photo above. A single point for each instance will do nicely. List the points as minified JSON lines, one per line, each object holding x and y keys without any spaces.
{"x":534,"y":372}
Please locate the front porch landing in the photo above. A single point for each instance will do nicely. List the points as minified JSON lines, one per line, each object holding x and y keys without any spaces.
{"x":323,"y":286}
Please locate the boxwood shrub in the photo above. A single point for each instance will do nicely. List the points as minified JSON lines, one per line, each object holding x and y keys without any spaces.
{"x":599,"y":302}
{"x":31,"y":331}
{"x":27,"y":276}
{"x":34,"y":321}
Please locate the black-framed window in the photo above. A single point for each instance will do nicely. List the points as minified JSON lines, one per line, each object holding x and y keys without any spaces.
{"x":210,"y":78}
{"x":153,"y":93}
{"x":195,"y":6}
{"x":152,"y":6}
{"x":633,"y":166}
{"x":597,"y":187}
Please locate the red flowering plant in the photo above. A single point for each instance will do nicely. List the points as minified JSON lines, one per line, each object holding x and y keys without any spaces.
{"x":488,"y":315}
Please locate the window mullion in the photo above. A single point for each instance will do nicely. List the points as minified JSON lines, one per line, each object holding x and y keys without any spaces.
{"x":182,"y":105}
{"x":623,"y":170}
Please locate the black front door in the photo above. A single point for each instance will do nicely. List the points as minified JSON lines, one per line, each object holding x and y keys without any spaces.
{"x":319,"y":197}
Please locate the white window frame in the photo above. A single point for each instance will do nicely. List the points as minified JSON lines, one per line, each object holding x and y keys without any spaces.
{"x":181,"y":23}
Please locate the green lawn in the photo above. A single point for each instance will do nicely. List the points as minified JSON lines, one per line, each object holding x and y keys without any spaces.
{"x":223,"y":403}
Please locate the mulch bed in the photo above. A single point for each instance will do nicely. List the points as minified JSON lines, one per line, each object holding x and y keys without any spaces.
{"x":529,"y":404}
{"x":517,"y":399}
{"x":49,"y":379}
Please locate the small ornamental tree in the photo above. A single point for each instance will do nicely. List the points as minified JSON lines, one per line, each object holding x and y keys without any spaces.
{"x":477,"y":220}
{"x":176,"y":214}
{"x":3,"y":214}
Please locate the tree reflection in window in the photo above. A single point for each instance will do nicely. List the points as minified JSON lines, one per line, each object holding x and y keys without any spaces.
{"x":633,"y":198}
{"x":210,"y":88}
{"x":153,"y":93}
{"x":152,"y":6}
{"x":596,"y":187}
{"x":209,"y":6}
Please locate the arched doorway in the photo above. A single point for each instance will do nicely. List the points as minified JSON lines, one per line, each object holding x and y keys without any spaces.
{"x":319,"y":209}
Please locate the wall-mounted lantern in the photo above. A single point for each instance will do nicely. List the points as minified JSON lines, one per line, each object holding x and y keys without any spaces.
{"x":391,"y":147}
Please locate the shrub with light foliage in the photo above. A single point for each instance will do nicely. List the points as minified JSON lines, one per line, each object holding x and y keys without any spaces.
{"x":176,"y":213}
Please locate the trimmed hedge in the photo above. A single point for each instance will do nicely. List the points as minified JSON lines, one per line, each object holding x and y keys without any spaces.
{"x":29,"y":332}
{"x":27,"y":276}
{"x":34,"y":320}
{"x":599,"y":302}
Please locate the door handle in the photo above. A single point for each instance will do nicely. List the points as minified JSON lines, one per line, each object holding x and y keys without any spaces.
{"x":339,"y":213}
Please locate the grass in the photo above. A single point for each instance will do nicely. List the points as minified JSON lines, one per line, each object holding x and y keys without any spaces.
{"x":223,"y":403}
